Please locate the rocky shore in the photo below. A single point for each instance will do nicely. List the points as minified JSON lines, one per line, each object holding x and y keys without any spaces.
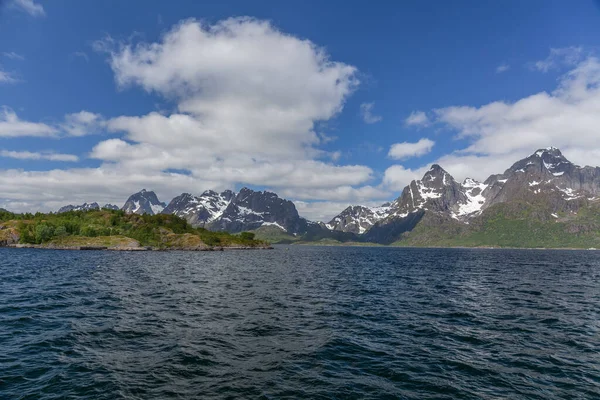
{"x":135,"y":248}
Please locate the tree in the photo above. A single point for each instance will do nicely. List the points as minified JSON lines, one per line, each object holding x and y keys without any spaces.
{"x":60,"y":230}
{"x":43,"y":233}
{"x":247,"y":235}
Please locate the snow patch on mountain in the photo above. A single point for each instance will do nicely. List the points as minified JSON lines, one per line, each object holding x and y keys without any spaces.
{"x":274,"y":224}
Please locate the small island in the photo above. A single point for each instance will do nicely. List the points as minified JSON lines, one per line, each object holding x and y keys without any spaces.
{"x":115,"y":230}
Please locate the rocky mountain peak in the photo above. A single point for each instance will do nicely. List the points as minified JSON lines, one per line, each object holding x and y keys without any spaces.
{"x":82,"y":207}
{"x":143,"y":202}
{"x":200,"y":210}
{"x":550,"y":151}
{"x":358,"y":219}
{"x":470,"y":183}
{"x":435,"y":178}
{"x":251,"y":209}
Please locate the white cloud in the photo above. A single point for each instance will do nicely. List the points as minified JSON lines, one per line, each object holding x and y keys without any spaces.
{"x":12,"y":126}
{"x":500,"y":133}
{"x":77,"y":124}
{"x":82,"y":123}
{"x":27,"y":155}
{"x":30,"y":7}
{"x":397,"y":177}
{"x":404,"y":150}
{"x":566,"y":56}
{"x":567,"y":117}
{"x":502,"y":68}
{"x":417,"y":118}
{"x":248,"y":98}
{"x":339,"y":193}
{"x":325,"y":210}
{"x":366,"y":112}
{"x":49,"y":190}
{"x":6,"y":77}
{"x":13,"y":56}
{"x":81,"y":54}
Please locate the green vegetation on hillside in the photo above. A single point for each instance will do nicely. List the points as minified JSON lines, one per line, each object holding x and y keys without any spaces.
{"x":516,"y":224}
{"x":111,"y":228}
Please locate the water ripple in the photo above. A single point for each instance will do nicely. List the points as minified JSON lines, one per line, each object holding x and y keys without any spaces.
{"x":303,"y":322}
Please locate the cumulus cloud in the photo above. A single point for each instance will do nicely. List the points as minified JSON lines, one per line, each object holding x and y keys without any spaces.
{"x":12,"y":126}
{"x":340,"y":193}
{"x":366,"y":112}
{"x":77,"y":124}
{"x":405,"y":150}
{"x":247,"y":99}
{"x":30,"y":7}
{"x":49,"y":190}
{"x":397,"y":177}
{"x":502,"y":68}
{"x":27,"y":155}
{"x":417,"y":118}
{"x":500,"y":133}
{"x":82,"y":123}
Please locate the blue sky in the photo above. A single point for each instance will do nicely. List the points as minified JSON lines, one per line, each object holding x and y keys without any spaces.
{"x":326,"y":104}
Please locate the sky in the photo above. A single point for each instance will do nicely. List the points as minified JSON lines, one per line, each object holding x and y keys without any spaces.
{"x":325,"y":103}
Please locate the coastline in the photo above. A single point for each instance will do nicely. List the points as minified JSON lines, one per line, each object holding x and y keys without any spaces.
{"x":134,"y":249}
{"x":435,"y":247}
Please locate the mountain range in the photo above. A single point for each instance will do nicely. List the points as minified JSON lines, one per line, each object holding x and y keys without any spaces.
{"x":542,"y":200}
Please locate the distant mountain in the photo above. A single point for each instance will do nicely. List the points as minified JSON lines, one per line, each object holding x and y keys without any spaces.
{"x":358,"y":219}
{"x":82,"y":207}
{"x":143,"y":202}
{"x":110,"y":207}
{"x":542,"y":187}
{"x":541,"y":200}
{"x":200,"y":210}
{"x":231,"y":212}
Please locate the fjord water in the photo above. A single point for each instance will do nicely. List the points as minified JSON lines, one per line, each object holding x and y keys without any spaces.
{"x":303,"y":322}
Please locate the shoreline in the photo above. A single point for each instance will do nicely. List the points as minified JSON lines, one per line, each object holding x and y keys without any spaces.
{"x":133,"y":249}
{"x":437,"y":247}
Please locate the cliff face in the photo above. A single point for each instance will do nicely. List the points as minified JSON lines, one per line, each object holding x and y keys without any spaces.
{"x":244,"y":211}
{"x":143,"y":202}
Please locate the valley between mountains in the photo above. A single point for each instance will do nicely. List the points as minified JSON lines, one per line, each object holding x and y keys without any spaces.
{"x":543,"y":200}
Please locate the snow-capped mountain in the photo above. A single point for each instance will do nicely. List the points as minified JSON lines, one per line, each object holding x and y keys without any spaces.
{"x":143,"y":202}
{"x":545,"y":184}
{"x":246,"y":210}
{"x":82,"y":207}
{"x":546,"y":175}
{"x":358,"y":219}
{"x":200,"y":210}
{"x":251,"y":209}
{"x":86,"y":207}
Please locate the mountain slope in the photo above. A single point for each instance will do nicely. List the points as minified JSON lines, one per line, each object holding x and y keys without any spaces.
{"x":544,"y":189}
{"x":237,"y":212}
{"x":358,"y":219}
{"x":200,"y":210}
{"x":541,"y":200}
{"x":143,"y":202}
{"x":82,"y":207}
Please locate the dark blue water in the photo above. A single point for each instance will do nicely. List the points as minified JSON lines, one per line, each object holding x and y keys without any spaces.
{"x":300,"y":323}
